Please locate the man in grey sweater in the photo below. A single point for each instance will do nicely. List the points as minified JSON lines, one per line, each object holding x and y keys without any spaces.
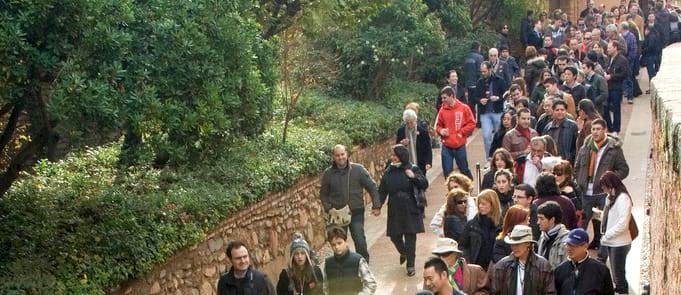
{"x":343,"y":184}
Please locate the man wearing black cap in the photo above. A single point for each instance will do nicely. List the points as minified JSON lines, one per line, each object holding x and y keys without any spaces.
{"x":581,"y":274}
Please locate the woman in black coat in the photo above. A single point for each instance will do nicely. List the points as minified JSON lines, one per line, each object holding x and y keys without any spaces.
{"x":480,"y":233}
{"x":405,"y":218}
{"x":455,"y":214}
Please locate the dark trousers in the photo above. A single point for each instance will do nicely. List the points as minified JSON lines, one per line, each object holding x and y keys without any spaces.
{"x":471,"y":103}
{"x":614,"y":106}
{"x":406,"y":245}
{"x":459,"y":155}
{"x":357,"y":232}
{"x":651,"y":65}
{"x":588,"y":203}
{"x":618,"y":262}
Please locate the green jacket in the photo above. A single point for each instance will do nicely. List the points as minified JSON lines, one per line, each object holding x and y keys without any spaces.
{"x":598,"y":91}
{"x":335,"y":183}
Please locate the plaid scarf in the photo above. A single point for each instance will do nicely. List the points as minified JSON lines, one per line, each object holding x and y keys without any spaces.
{"x":595,"y":147}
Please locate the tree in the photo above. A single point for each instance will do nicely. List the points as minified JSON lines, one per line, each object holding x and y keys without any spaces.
{"x":182,"y":77}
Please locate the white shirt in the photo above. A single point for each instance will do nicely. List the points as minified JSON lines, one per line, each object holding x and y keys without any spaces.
{"x":520,"y":279}
{"x":617,"y":231}
{"x":531,"y":172}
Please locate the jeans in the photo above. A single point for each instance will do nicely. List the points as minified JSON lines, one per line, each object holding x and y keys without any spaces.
{"x":628,"y":83}
{"x":614,"y":107}
{"x":490,"y":123}
{"x":357,"y":232}
{"x":651,"y":66}
{"x":459,"y":155}
{"x":618,"y":261}
{"x":406,"y":245}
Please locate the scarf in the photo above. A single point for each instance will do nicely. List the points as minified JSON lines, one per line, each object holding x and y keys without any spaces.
{"x":525,"y":133}
{"x":456,"y":275}
{"x":595,"y":147}
{"x":549,"y":239}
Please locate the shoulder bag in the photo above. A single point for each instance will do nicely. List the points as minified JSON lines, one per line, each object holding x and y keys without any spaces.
{"x":341,"y":217}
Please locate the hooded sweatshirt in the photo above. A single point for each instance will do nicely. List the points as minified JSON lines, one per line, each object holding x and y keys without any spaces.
{"x":460,"y":122}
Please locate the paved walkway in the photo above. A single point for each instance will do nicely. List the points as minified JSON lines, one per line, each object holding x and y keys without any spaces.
{"x":391,"y":276}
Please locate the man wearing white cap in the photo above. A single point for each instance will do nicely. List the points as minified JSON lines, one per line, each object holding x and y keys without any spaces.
{"x":463,"y":277}
{"x":522,"y":272}
{"x":581,"y":274}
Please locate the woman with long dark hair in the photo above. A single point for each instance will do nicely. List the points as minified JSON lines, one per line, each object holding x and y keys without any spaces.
{"x":508,"y":120}
{"x":615,"y":227}
{"x":563,"y":173}
{"x":501,"y":159}
{"x":405,"y":218}
{"x":455,"y":214}
{"x":586,"y":114}
{"x":504,"y":188}
{"x":515,"y":215}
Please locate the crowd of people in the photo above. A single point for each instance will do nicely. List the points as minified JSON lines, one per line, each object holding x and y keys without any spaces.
{"x":550,"y":120}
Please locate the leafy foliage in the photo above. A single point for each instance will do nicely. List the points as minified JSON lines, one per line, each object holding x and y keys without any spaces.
{"x":391,"y":44}
{"x":181,"y":77}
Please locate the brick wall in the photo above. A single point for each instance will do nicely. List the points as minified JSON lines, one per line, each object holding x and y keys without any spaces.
{"x":664,"y":198}
{"x":265,"y":227}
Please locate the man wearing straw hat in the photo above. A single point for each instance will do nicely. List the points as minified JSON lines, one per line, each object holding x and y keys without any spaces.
{"x":522,"y":272}
{"x":464,"y":277}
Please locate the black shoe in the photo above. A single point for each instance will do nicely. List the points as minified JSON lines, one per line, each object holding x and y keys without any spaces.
{"x":411,"y":271}
{"x":403,"y":259}
{"x":648,"y":91}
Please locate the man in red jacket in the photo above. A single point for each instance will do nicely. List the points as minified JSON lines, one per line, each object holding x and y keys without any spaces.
{"x":455,"y":122}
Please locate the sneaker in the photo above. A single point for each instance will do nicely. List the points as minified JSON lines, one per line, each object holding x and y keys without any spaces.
{"x":648,"y":91}
{"x":411,"y":271}
{"x":630,"y":101}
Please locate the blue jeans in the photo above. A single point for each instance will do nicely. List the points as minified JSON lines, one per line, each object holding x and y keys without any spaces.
{"x":614,"y":107}
{"x":459,"y":155}
{"x":490,"y":122}
{"x":628,"y":83}
{"x":618,"y":261}
{"x":651,"y":65}
{"x":357,"y":232}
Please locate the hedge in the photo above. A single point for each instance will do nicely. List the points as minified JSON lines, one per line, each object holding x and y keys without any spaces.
{"x":82,"y":225}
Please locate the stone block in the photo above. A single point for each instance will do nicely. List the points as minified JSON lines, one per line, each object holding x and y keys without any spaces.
{"x":206,"y":289}
{"x":215,"y":244}
{"x":155,"y":288}
{"x":209,"y":271}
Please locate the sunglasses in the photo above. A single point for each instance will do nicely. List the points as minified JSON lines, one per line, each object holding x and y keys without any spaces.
{"x":461,"y":202}
{"x":558,"y":174}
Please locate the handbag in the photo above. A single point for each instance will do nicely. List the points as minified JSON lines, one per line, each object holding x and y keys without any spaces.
{"x":633,"y":228}
{"x":341,"y":217}
{"x":420,"y":197}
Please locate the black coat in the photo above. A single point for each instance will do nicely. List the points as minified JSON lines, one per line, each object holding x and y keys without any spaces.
{"x":404,"y":217}
{"x":498,"y":89}
{"x":592,"y":278}
{"x":478,"y":240}
{"x":525,"y":29}
{"x":566,"y":142}
{"x":497,"y":140}
{"x":471,"y":68}
{"x":424,"y":151}
{"x":535,"y":39}
{"x":255,"y":283}
{"x":501,"y":250}
{"x":311,"y":287}
{"x":618,"y":71}
{"x":651,"y":45}
{"x":454,"y":226}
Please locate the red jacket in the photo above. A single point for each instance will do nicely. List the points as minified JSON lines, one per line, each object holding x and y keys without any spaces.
{"x":460,"y":122}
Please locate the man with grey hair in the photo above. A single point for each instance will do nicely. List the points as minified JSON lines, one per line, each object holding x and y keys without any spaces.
{"x":632,"y":58}
{"x":597,"y":39}
{"x":417,"y":140}
{"x":342,"y":185}
{"x":612,"y":34}
{"x":500,"y":67}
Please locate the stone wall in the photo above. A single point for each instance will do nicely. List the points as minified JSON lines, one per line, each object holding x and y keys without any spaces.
{"x":664,"y":198}
{"x":265,"y":227}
